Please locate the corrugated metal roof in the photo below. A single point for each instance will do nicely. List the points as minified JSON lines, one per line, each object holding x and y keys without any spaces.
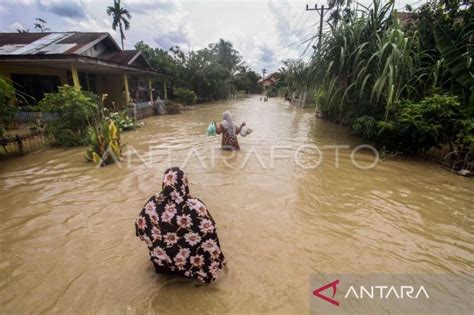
{"x":123,"y":56}
{"x":28,"y":45}
{"x":81,"y":38}
{"x":45,"y":43}
{"x":19,"y":38}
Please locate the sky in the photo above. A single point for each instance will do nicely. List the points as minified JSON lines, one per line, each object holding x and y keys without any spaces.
{"x":265,"y":32}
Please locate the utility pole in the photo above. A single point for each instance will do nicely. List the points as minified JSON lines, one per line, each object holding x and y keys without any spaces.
{"x":321,"y":11}
{"x":263,"y":78}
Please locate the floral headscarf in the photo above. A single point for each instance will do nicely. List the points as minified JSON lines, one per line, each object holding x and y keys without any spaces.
{"x":180,"y":232}
{"x":228,"y":123}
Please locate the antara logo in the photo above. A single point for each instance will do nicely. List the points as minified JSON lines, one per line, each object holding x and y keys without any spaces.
{"x":372,"y":292}
{"x":332,"y":285}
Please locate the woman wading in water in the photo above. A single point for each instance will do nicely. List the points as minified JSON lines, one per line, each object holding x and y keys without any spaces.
{"x":229,"y":132}
{"x":180,"y":232}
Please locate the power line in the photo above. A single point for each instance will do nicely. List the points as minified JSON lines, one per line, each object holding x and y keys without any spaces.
{"x":301,"y":29}
{"x":297,"y":23}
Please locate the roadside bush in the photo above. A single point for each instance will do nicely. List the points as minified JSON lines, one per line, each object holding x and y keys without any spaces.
{"x":76,"y":111}
{"x":272,"y":92}
{"x":64,"y":136}
{"x":172,"y":108}
{"x":7,"y":110}
{"x":418,"y":127}
{"x":435,"y":120}
{"x":123,"y":121}
{"x":185,"y":96}
{"x":365,"y":127}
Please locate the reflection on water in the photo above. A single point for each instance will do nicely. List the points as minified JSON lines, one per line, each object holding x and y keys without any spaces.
{"x":67,"y":230}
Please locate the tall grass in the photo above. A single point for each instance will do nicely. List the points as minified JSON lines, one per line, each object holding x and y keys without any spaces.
{"x":367,"y":63}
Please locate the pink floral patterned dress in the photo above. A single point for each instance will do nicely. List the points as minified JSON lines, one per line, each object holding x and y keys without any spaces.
{"x":180,"y":232}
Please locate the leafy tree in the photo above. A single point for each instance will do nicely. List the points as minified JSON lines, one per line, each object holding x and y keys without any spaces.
{"x":7,"y":110}
{"x":254,"y":77}
{"x":225,"y":54}
{"x":214,"y":72}
{"x":120,"y":17}
{"x":242,"y":82}
{"x":185,"y":96}
{"x":41,"y":25}
{"x":76,"y":111}
{"x":164,"y":63}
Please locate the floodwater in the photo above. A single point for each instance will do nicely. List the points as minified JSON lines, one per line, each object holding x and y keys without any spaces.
{"x":67,"y":229}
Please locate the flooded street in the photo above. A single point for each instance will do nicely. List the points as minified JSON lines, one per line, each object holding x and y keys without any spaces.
{"x":67,"y":233}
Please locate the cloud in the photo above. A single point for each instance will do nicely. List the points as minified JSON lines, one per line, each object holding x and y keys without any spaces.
{"x":3,"y":10}
{"x":172,"y":38}
{"x":280,"y":12}
{"x":267,"y":55}
{"x":264,"y":32}
{"x":15,"y":26}
{"x":148,"y":6}
{"x":90,"y":24}
{"x":71,"y":9}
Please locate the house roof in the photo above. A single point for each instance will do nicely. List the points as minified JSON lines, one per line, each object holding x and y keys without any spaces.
{"x":272,"y":78}
{"x":29,"y":46}
{"x":123,"y":56}
{"x":405,"y":17}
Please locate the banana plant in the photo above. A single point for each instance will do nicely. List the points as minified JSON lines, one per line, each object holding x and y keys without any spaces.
{"x":104,"y":144}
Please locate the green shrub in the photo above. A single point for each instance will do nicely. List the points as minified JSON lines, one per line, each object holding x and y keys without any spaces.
{"x":272,"y":91}
{"x":7,"y":110}
{"x":76,"y":110}
{"x":65,"y":137}
{"x":172,"y":108}
{"x":434,"y":121}
{"x":418,"y":127}
{"x":123,"y":121}
{"x":185,"y":96}
{"x":365,"y":127}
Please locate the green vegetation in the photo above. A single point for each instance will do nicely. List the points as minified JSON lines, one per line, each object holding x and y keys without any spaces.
{"x":122,"y":120}
{"x":82,"y":119}
{"x":185,"y":96}
{"x":77,"y":110}
{"x":104,"y":143}
{"x":406,"y":85}
{"x":7,"y":110}
{"x":214,"y":72}
{"x":417,"y":127}
{"x":172,"y":108}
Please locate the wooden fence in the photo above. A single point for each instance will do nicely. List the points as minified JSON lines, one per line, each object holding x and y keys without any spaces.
{"x":23,"y":144}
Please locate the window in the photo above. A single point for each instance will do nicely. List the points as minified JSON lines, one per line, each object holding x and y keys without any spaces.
{"x":35,"y":86}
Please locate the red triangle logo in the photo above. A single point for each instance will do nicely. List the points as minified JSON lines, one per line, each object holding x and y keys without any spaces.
{"x":326,"y":298}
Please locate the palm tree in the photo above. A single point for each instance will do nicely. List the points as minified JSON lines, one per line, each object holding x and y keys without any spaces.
{"x":225,"y":54}
{"x":120,"y":16}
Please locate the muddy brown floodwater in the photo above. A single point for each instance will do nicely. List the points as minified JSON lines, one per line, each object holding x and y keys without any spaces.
{"x":67,"y":229}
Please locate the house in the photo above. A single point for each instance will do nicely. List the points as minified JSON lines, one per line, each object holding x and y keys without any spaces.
{"x":406,"y":18}
{"x":269,"y":80}
{"x":38,"y":63}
